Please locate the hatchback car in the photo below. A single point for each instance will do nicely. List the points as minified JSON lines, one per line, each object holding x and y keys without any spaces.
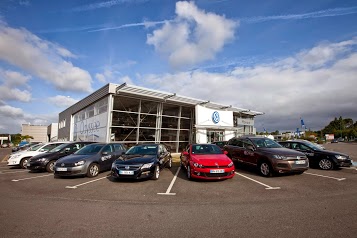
{"x":47,"y":160}
{"x":206,"y":161}
{"x":20,"y":158}
{"x":267,"y":155}
{"x":90,"y":160}
{"x":323,"y":159}
{"x":142,"y":161}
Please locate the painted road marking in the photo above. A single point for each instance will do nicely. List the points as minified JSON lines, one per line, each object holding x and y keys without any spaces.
{"x":13,"y":172}
{"x":171,"y":184}
{"x":319,"y":175}
{"x":17,"y":180}
{"x":265,"y":185}
{"x":76,"y":186}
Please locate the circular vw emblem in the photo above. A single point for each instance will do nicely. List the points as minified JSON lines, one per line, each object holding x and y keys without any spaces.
{"x":215,"y":117}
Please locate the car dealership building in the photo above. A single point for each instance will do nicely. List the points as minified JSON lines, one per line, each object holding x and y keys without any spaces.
{"x":132,"y":114}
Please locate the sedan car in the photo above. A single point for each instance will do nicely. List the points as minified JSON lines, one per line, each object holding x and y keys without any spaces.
{"x":90,"y":160}
{"x":266,"y":155}
{"x":47,"y":160}
{"x":142,"y":161}
{"x":206,"y":161}
{"x":323,"y":159}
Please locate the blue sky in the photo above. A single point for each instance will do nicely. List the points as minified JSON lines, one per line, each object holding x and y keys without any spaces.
{"x":288,"y":59}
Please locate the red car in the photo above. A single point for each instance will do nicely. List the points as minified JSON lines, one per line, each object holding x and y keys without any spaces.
{"x":206,"y":161}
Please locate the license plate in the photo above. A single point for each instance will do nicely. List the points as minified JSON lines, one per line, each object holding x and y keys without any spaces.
{"x":61,"y":169}
{"x":216,"y":171}
{"x":126,"y":172}
{"x":300,"y":162}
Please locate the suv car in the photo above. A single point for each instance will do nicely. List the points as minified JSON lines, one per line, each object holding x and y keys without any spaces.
{"x":47,"y":160}
{"x":318,"y":157}
{"x":20,"y":158}
{"x":267,"y":155}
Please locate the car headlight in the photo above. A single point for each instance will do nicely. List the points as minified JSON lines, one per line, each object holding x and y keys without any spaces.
{"x":14,"y":156}
{"x":113,"y":165}
{"x":79,"y":163}
{"x":42,"y":159}
{"x":279,"y":157}
{"x":197,"y":165}
{"x":146,"y":166}
{"x":230,"y":164}
{"x":340,"y":157}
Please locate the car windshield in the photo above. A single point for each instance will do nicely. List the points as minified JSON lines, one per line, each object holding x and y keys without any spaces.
{"x":143,"y":150}
{"x":58,"y":148}
{"x":312,"y":145}
{"x":35,"y":147}
{"x":265,"y":143}
{"x":206,"y":149}
{"x":90,"y":149}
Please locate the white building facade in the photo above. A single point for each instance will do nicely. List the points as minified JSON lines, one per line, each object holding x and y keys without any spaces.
{"x":132,"y":114}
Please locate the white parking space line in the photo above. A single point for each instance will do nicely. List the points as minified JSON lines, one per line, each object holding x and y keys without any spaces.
{"x":171,"y":184}
{"x":265,"y":185}
{"x":17,"y":180}
{"x":353,"y":168}
{"x":76,"y":186}
{"x":319,"y":175}
{"x":12,"y":172}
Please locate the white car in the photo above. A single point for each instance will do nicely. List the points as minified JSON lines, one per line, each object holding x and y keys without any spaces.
{"x":20,"y":158}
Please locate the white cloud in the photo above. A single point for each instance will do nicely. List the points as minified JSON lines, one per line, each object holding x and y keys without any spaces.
{"x":284,"y":90}
{"x":43,"y":59}
{"x":7,"y":93}
{"x":11,"y":112}
{"x":13,"y":78}
{"x":62,"y":101}
{"x":193,"y":37}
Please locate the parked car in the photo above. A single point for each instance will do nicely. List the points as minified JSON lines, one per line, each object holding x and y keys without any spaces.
{"x":20,"y":158}
{"x":47,"y":160}
{"x":334,"y":141}
{"x":206,"y":161}
{"x":267,"y":155}
{"x":142,"y":161}
{"x":220,"y":144}
{"x":318,"y":157}
{"x":24,"y":146}
{"x":90,"y":160}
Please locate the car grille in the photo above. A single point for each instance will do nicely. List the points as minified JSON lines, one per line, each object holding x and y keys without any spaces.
{"x":128,"y":167}
{"x":67,"y":172}
{"x":65,"y":165}
{"x":209,"y":175}
{"x":214,"y":167}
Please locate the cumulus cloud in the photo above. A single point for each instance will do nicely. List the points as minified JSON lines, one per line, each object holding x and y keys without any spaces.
{"x":285,"y":90}
{"x":43,"y":59}
{"x":194,"y":36}
{"x":13,"y":78}
{"x":10,"y":88}
{"x":62,"y":101}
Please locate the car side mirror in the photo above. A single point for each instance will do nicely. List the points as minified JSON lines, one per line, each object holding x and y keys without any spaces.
{"x":185,"y":153}
{"x":249,"y":147}
{"x":104,"y":153}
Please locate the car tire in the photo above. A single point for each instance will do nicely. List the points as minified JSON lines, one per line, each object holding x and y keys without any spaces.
{"x":169,"y":163}
{"x":326,"y":164}
{"x":93,"y":170}
{"x":49,"y":166}
{"x":182,"y":165}
{"x":156,"y":173}
{"x":265,"y":168}
{"x":188,"y":172}
{"x":23,"y":163}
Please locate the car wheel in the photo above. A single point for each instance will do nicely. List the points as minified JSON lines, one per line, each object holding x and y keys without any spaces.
{"x":49,"y":166}
{"x":93,"y":170}
{"x":156,"y":173}
{"x":169,"y":163}
{"x":265,"y":169}
{"x":23,"y":163}
{"x":325,"y":164}
{"x":182,"y":165}
{"x":188,"y":172}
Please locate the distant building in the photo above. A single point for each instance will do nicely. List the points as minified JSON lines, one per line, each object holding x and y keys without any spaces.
{"x":40,"y":133}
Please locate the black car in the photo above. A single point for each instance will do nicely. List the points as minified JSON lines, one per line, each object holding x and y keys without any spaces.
{"x":47,"y":160}
{"x":90,"y":160}
{"x":318,"y":157}
{"x":220,"y":144}
{"x":142,"y":161}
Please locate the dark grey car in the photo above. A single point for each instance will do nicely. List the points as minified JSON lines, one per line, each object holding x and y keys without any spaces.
{"x":90,"y":160}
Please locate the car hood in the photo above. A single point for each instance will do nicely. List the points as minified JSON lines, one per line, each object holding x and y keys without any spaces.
{"x":280,"y":151}
{"x":211,"y":159}
{"x":136,"y":159}
{"x":47,"y":155}
{"x":329,"y":152}
{"x":74,"y":158}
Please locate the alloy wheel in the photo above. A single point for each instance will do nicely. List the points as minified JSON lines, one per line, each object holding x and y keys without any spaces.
{"x":325,"y":164}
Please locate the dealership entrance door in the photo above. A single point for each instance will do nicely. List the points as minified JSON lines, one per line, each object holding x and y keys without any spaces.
{"x":215,"y":135}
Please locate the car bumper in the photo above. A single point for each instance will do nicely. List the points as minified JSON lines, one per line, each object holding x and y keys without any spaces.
{"x":344,"y":163}
{"x":132,"y":174}
{"x":34,"y":166}
{"x":70,"y":171}
{"x":212,"y":174}
{"x":13,"y":162}
{"x":290,"y":166}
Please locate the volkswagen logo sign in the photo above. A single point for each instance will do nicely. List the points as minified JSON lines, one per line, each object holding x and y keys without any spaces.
{"x":127,"y":167}
{"x":215,"y":117}
{"x":62,"y":164}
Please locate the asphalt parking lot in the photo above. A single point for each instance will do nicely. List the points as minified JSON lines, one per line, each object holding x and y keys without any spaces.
{"x":314,"y":204}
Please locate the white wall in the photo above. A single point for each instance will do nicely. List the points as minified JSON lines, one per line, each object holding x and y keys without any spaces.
{"x":204,"y":117}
